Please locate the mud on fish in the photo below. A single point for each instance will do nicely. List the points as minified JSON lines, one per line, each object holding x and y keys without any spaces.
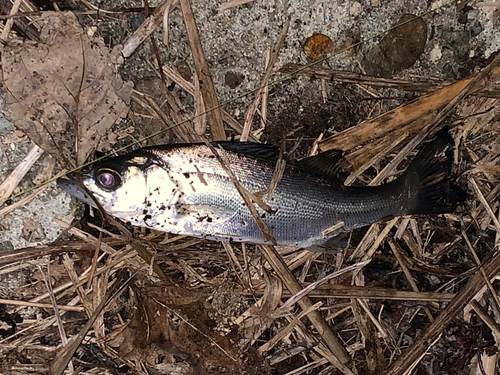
{"x":184,"y":189}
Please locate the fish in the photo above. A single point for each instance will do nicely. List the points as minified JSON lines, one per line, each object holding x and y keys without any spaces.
{"x":184,"y":189}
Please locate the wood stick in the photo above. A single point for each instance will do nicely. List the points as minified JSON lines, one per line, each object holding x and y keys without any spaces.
{"x":232,"y":3}
{"x":204,"y":76}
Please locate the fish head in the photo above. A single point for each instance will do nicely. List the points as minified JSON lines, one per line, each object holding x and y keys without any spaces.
{"x":120,"y":185}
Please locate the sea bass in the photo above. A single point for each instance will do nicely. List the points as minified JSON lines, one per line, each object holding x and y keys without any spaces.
{"x":184,"y":189}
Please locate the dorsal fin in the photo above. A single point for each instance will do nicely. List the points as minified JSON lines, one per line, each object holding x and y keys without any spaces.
{"x":329,"y":164}
{"x":257,"y":150}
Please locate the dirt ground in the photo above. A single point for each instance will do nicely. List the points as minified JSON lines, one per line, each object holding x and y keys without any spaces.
{"x":374,"y":79}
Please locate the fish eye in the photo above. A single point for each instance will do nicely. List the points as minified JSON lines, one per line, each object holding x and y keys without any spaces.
{"x":108,"y":179}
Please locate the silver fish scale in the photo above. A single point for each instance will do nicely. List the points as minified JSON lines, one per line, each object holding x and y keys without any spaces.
{"x":304,"y":205}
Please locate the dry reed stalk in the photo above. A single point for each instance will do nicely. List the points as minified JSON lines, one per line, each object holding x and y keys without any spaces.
{"x":250,"y":112}
{"x":11,"y":182}
{"x":232,"y":3}
{"x":399,"y":117}
{"x":304,"y":292}
{"x":25,"y":254}
{"x":147,"y":27}
{"x":41,"y":305}
{"x":352,"y":291}
{"x":207,"y":89}
{"x":381,"y":155}
{"x":87,"y":304}
{"x":288,"y":329}
{"x":481,"y":270}
{"x":87,"y":237}
{"x":431,"y":333}
{"x":396,"y":250}
{"x":190,"y":89}
{"x":8,"y":25}
{"x":63,"y":357}
{"x":57,"y":315}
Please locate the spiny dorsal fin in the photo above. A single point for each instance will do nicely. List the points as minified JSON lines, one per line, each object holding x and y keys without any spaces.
{"x":258,"y":150}
{"x":329,"y":164}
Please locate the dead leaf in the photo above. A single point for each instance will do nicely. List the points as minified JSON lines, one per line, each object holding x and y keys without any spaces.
{"x":47,"y":98}
{"x":172,"y":328}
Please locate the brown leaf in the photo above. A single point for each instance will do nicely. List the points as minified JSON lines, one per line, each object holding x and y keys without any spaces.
{"x":171,"y":330}
{"x":47,"y":98}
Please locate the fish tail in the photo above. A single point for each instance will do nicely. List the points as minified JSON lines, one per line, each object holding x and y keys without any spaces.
{"x":427,"y":180}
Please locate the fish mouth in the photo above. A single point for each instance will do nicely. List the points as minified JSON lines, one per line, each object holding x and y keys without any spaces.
{"x":69,"y":184}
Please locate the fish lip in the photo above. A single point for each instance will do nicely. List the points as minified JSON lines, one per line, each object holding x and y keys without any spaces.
{"x":69,"y":184}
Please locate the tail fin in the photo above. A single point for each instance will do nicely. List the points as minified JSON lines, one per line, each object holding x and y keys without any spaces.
{"x":427,"y":179}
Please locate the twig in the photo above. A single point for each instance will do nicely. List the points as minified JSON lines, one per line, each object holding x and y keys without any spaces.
{"x":250,"y":112}
{"x":147,"y":27}
{"x":397,"y":253}
{"x":232,"y":3}
{"x":214,"y":115}
{"x":420,"y":345}
{"x":8,"y":25}
{"x":288,"y":329}
{"x":62,"y":358}
{"x":10,"y":183}
{"x":41,"y":305}
{"x":294,"y":299}
{"x":60,"y":326}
